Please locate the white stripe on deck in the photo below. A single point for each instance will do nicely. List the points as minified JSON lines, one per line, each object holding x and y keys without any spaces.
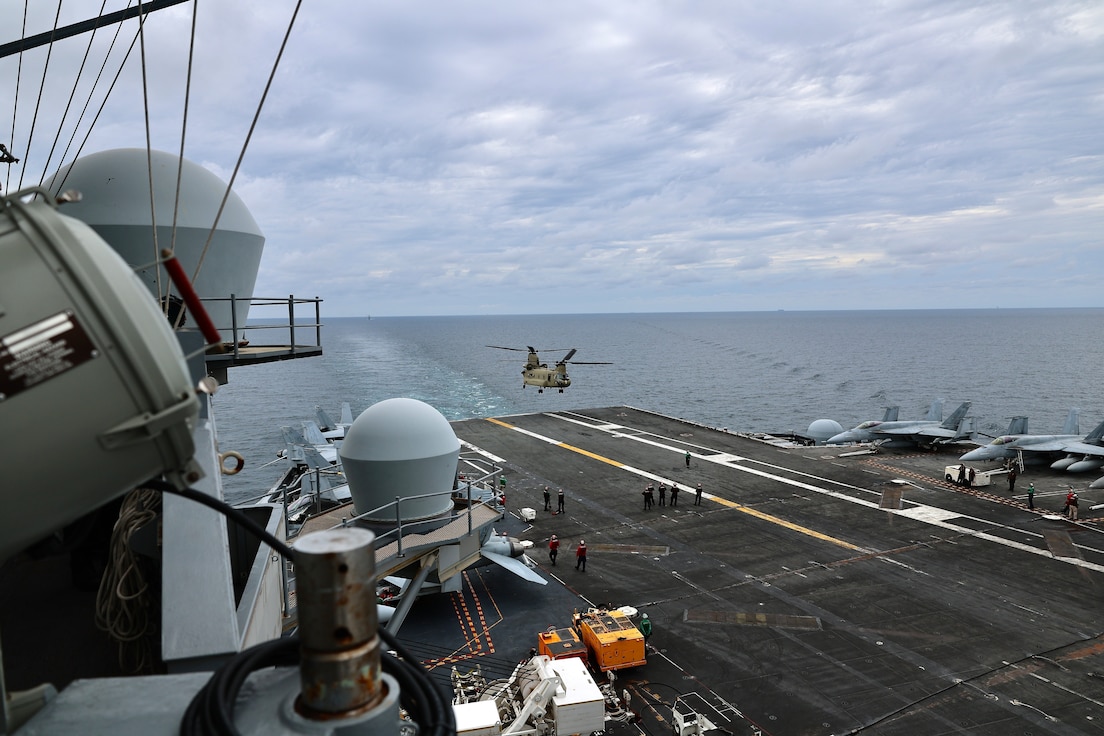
{"x":923,"y":513}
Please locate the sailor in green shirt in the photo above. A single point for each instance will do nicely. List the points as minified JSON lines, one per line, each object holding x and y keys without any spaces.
{"x":646,"y":627}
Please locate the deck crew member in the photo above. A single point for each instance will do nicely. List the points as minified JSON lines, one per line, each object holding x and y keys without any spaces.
{"x":662,"y":494}
{"x":580,"y":556}
{"x":688,"y":458}
{"x":547,"y":499}
{"x":559,"y":501}
{"x":674,"y":494}
{"x":697,"y":495}
{"x":553,"y":548}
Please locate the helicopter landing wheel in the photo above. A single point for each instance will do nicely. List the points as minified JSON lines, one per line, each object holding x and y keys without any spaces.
{"x":540,"y":390}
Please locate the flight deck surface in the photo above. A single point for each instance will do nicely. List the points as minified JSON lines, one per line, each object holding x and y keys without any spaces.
{"x":812,"y":591}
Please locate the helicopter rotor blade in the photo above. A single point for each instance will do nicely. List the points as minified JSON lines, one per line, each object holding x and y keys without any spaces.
{"x":528,"y":349}
{"x":568,"y":356}
{"x":589,"y":362}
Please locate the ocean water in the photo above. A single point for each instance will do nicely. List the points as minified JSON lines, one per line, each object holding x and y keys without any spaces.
{"x":761,"y":371}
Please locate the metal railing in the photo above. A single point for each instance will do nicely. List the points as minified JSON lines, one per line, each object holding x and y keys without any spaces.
{"x":485,"y":483}
{"x":292,"y":323}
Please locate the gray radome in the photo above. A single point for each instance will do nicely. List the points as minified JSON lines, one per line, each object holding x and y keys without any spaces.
{"x":115,"y":190}
{"x":822,"y":429}
{"x":404,"y":448}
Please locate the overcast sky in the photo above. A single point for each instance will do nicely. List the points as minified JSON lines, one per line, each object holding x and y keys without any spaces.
{"x":522,"y":157}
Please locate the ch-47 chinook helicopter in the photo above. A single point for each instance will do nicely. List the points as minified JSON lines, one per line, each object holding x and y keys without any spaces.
{"x":536,"y":373}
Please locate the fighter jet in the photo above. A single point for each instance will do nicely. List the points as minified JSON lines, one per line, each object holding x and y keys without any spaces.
{"x":1041,"y":448}
{"x":865,"y":431}
{"x":912,"y":432}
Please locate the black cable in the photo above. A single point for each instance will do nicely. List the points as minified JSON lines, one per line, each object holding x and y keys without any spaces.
{"x":438,"y":715}
{"x":211,"y":711}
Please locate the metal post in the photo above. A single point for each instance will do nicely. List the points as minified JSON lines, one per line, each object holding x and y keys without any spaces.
{"x":317,"y":321}
{"x":234,"y":322}
{"x":317,"y":490}
{"x":284,"y":563}
{"x":291,"y":320}
{"x":398,"y":525}
{"x":339,"y":668}
{"x":469,"y":509}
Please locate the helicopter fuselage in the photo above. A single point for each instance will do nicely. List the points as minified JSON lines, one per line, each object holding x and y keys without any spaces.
{"x":544,"y":377}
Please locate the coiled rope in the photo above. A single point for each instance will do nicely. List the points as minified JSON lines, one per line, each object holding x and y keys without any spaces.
{"x":123,"y":603}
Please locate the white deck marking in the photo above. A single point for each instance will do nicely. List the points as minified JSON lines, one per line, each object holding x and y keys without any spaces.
{"x":923,"y":513}
{"x":928,"y":513}
{"x":484,"y":453}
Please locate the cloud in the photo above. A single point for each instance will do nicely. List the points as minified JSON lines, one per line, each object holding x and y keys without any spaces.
{"x":442,"y":158}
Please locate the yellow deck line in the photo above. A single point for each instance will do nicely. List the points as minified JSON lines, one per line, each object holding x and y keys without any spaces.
{"x":782,"y":522}
{"x":723,"y":501}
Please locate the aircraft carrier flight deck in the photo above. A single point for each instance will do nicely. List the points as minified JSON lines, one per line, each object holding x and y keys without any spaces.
{"x":812,"y":591}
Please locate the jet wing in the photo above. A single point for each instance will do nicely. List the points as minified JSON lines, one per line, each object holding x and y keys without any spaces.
{"x":935,"y":432}
{"x":1054,"y":445}
{"x":900,"y":431}
{"x":515,"y":565}
{"x":1084,"y":448}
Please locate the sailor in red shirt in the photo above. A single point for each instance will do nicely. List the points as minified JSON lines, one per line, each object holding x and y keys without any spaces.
{"x":553,"y":548}
{"x":580,"y":556}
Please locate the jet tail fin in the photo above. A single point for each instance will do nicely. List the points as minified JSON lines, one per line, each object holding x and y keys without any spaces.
{"x":293,"y":436}
{"x":891,"y":413}
{"x":313,"y":433}
{"x":953,"y":420}
{"x":935,"y":411}
{"x":967,"y":429}
{"x":324,"y":421}
{"x":346,"y":414}
{"x":1018,"y":425}
{"x":313,"y":458}
{"x":295,"y":454}
{"x":1072,"y":425}
{"x":1096,"y":435}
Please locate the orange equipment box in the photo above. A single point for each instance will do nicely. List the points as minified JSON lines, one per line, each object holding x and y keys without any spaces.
{"x":611,"y":639}
{"x":560,"y":644}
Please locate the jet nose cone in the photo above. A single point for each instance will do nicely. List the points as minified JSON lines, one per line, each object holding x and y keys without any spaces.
{"x":840,"y":439}
{"x":978,"y":454}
